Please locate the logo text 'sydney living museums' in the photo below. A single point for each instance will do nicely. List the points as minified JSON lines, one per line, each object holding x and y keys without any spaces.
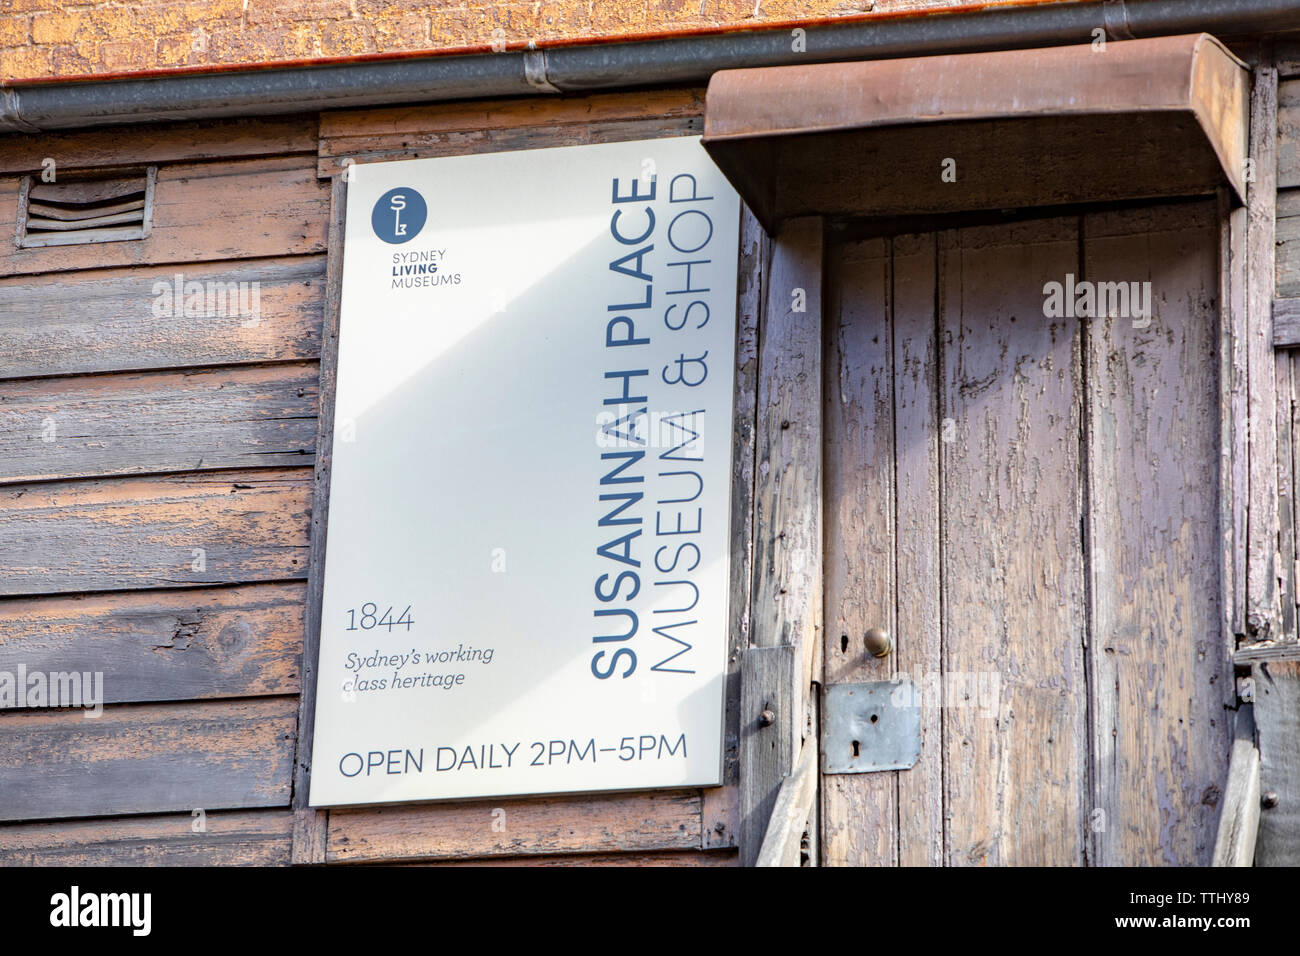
{"x":397,"y":218}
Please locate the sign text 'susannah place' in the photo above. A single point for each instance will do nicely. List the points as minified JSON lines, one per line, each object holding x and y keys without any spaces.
{"x":526,"y":573}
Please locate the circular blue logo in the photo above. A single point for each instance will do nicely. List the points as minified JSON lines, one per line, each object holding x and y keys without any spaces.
{"x":399,"y":215}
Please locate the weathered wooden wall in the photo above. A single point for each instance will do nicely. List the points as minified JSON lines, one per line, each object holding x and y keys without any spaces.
{"x":158,"y":479}
{"x":156,"y":501}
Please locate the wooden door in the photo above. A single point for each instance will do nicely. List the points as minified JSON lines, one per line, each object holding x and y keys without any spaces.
{"x":1029,"y":503}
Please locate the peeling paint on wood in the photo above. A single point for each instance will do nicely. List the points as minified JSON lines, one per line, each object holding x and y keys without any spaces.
{"x":173,"y":531}
{"x":202,"y":211}
{"x":1288,"y":133}
{"x":1287,"y":266}
{"x":787,"y":584}
{"x":77,"y":322}
{"x":1073,"y":507}
{"x":146,"y":758}
{"x":231,"y":838}
{"x":1262,"y":598}
{"x":766,"y":742}
{"x":672,"y":858}
{"x":1162,"y":681}
{"x":721,"y":804}
{"x":161,"y":143}
{"x":1234,"y":490}
{"x":309,"y":833}
{"x":859,"y":811}
{"x":457,"y":129}
{"x":163,"y":645}
{"x":153,"y":422}
{"x":1285,"y":493}
{"x":1277,"y":714}
{"x":661,"y":820}
{"x":918,"y":618}
{"x":1013,"y":576}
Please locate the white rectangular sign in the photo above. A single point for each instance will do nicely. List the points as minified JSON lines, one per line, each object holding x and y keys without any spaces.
{"x":526,"y":573}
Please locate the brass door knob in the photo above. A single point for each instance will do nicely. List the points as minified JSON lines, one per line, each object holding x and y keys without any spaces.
{"x":878,"y":642}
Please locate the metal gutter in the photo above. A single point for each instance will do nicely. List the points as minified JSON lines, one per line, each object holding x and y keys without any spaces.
{"x":581,"y":67}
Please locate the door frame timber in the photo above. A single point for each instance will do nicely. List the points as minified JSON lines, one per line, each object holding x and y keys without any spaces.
{"x":782,"y":659}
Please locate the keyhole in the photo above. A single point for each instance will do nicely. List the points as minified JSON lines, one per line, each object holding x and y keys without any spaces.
{"x":856,"y":749}
{"x":844,"y":643}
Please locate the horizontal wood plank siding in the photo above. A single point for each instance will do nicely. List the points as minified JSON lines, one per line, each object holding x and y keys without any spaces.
{"x":1286,"y":322}
{"x":117,"y":320}
{"x":666,"y":858}
{"x":154,"y":422}
{"x":454,"y":129}
{"x":156,"y":457}
{"x":1287,"y":238}
{"x":663,"y":820}
{"x":156,"y":475}
{"x":146,"y":758}
{"x":202,"y":211}
{"x":1288,"y":132}
{"x":175,"y":531}
{"x":229,"y":838}
{"x":190,"y":644}
{"x":164,"y":143}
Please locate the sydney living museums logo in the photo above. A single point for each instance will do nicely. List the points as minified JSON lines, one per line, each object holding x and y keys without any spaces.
{"x":397,"y":217}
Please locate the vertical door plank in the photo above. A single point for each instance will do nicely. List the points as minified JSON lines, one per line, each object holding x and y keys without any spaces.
{"x":1277,"y":713}
{"x":860,"y":810}
{"x":767,"y":674}
{"x":787,"y":516}
{"x":1162,"y":677}
{"x":720,"y":803}
{"x":786,"y":609}
{"x":1262,"y":601}
{"x":1285,"y":495}
{"x":917,"y":639}
{"x":1013,"y":565}
{"x":1292,"y":426}
{"x":1234,"y":479}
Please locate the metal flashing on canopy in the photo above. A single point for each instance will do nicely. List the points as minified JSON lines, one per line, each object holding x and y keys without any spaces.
{"x":1102,"y":122}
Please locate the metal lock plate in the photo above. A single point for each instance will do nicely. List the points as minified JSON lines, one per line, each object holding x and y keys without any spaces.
{"x":871,"y":727}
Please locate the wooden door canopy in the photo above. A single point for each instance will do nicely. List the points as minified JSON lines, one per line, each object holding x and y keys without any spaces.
{"x":1137,"y":119}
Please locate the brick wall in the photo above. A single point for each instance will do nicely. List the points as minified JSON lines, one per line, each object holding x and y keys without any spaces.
{"x":51,"y":38}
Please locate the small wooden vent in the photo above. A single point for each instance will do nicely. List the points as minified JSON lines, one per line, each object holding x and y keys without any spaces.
{"x":82,"y":209}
